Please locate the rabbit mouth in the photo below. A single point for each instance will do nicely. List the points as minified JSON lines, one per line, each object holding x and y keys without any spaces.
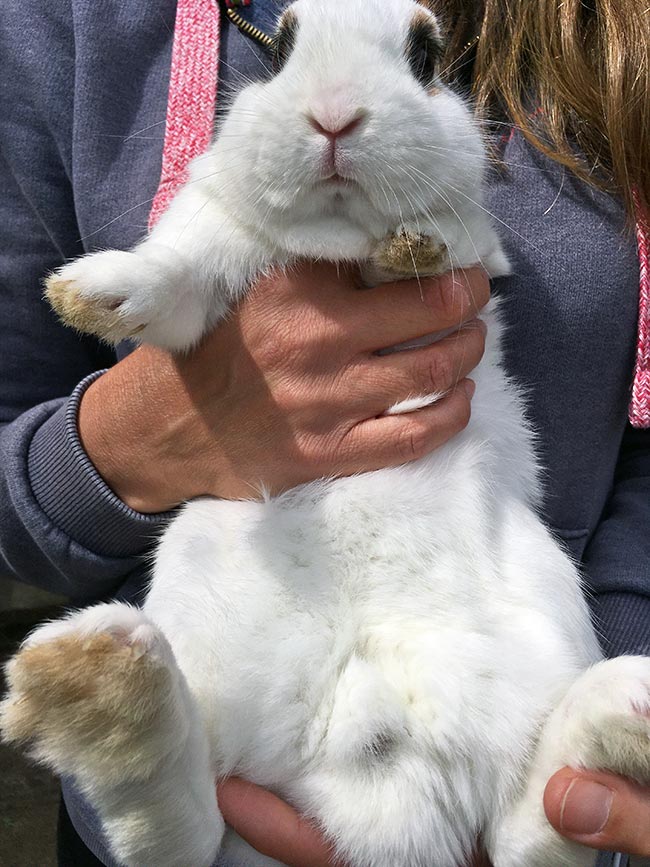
{"x":336,"y":178}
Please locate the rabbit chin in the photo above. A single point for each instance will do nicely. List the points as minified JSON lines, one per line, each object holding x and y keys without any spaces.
{"x":330,"y":224}
{"x":326,"y":237}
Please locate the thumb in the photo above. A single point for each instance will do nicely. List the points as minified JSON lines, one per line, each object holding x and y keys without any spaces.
{"x":600,"y":810}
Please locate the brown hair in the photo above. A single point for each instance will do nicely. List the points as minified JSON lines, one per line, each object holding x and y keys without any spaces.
{"x":587,"y":63}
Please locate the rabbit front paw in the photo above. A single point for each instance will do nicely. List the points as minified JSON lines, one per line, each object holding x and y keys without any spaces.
{"x":104,"y":294}
{"x":119,"y":295}
{"x":405,"y":254}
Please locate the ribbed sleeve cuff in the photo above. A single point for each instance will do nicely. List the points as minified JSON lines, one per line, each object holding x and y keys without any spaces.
{"x":74,"y":496}
{"x":623,"y":623}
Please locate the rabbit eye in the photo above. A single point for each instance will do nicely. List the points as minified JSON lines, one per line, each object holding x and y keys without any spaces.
{"x":284,"y":40}
{"x":423,"y":52}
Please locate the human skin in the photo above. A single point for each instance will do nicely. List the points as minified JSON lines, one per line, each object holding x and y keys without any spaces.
{"x":600,"y":810}
{"x":276,"y":830}
{"x":288,"y":389}
{"x":273,"y":828}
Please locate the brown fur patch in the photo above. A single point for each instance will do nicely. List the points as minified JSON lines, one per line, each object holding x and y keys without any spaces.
{"x":85,"y":681}
{"x":421,"y":19}
{"x":85,"y":314}
{"x":408,"y":255}
{"x":428,"y":4}
{"x":288,"y":19}
{"x":622,"y":744}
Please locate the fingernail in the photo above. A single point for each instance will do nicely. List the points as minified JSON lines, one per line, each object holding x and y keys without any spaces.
{"x":585,"y":807}
{"x":470,"y":387}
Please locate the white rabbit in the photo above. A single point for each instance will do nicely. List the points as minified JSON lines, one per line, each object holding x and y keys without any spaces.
{"x":406,"y":656}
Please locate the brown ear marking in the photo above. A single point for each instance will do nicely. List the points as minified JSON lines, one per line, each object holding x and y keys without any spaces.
{"x":429,"y":17}
{"x":288,"y":19}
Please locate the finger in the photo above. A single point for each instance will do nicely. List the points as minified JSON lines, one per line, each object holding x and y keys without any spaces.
{"x":272,"y":827}
{"x":382,"y":381}
{"x":395,"y":313}
{"x":600,"y":810}
{"x":398,"y":439}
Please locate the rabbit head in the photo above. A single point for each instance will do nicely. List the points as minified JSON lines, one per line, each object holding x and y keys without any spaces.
{"x":353,"y":135}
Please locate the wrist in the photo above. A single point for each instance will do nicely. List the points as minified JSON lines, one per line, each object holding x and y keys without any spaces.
{"x":71,"y":495}
{"x":116,"y":429}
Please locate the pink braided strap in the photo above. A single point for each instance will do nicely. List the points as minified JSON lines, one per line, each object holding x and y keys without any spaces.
{"x":640,"y":403}
{"x":192,"y":96}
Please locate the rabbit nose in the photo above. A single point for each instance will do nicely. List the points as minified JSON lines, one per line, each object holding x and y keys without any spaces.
{"x":333,"y":129}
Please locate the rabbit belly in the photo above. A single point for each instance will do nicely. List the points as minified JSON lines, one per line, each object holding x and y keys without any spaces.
{"x":380,"y":652}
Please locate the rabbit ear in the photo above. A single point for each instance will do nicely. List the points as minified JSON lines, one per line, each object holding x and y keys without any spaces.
{"x":432,"y":7}
{"x":285,"y":38}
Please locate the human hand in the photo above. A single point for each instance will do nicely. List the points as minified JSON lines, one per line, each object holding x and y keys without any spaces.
{"x":272,"y":827}
{"x":600,"y":810}
{"x":288,"y":389}
{"x":275,"y":829}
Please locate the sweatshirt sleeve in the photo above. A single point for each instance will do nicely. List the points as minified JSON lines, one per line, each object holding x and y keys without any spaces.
{"x":617,"y":559}
{"x":60,"y":526}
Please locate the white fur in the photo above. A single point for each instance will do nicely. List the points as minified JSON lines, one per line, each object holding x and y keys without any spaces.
{"x":383,"y":651}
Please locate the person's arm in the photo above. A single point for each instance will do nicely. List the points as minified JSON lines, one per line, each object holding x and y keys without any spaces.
{"x":61,"y":527}
{"x":288,"y":389}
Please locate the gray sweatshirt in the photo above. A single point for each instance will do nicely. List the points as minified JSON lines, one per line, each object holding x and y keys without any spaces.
{"x":83,"y":91}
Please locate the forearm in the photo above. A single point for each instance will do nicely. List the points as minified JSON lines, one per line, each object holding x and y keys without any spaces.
{"x":61,"y":527}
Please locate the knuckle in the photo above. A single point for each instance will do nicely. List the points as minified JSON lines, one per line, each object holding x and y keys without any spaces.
{"x":283,"y":390}
{"x":306,"y":453}
{"x":448,"y":297}
{"x":454,"y":294}
{"x":413,"y":441}
{"x":346,"y":389}
{"x":439,"y":373}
